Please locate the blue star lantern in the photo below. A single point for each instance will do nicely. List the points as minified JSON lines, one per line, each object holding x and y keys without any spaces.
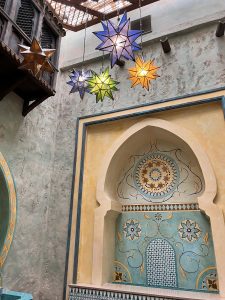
{"x":118,"y":40}
{"x":78,"y":81}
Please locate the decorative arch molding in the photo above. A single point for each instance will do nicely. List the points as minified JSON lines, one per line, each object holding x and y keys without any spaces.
{"x":8,"y":209}
{"x":109,"y":209}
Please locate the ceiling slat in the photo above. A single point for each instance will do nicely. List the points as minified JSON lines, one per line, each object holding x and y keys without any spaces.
{"x":95,"y":10}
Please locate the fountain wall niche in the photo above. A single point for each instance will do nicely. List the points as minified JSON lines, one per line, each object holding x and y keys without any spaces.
{"x":156,"y":190}
{"x":162,"y":238}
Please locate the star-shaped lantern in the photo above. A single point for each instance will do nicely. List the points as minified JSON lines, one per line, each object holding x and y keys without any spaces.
{"x":79,"y":81}
{"x":143,"y":72}
{"x":36,"y":59}
{"x":102,"y":85}
{"x":118,"y":40}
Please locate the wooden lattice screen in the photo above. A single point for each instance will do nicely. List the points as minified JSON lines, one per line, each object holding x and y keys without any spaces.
{"x":25,"y":17}
{"x":2,"y":3}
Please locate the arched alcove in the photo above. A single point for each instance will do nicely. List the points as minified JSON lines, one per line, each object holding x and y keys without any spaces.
{"x":7,"y":209}
{"x":179,"y":153}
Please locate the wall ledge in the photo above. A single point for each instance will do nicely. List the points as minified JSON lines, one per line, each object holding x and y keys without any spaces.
{"x":121,"y":291}
{"x":151,"y":38}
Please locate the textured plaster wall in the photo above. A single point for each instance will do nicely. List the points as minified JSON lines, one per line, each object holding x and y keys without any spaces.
{"x":40,"y":147}
{"x":166,"y":17}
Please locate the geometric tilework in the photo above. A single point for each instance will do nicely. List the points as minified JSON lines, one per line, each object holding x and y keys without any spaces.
{"x":161,"y":264}
{"x":81,"y":293}
{"x":159,"y":207}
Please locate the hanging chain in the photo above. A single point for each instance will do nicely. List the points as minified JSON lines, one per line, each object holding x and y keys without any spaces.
{"x":141,"y":27}
{"x":103,"y":56}
{"x":85,"y":35}
{"x":118,"y":10}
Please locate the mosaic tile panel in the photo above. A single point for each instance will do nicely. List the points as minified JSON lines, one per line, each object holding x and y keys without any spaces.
{"x":156,"y":175}
{"x":159,"y":207}
{"x":168,"y":249}
{"x":161,"y":264}
{"x":77,"y":293}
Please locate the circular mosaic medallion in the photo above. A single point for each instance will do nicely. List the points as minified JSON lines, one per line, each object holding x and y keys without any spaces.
{"x":156,"y":175}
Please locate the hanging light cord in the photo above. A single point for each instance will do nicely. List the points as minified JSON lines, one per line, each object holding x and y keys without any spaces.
{"x":85,"y":35}
{"x":103,"y":56}
{"x":118,"y":10}
{"x":141,"y":27}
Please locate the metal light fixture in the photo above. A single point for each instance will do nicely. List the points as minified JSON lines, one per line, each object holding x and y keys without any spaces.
{"x":118,"y":40}
{"x":36,"y":59}
{"x":102,"y":85}
{"x":143,"y":72}
{"x":78,"y":81}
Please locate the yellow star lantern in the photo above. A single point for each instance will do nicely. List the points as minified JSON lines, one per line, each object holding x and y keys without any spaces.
{"x":143,"y":73}
{"x":36,"y":59}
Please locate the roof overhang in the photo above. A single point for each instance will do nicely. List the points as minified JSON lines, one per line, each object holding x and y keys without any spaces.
{"x":76,"y":14}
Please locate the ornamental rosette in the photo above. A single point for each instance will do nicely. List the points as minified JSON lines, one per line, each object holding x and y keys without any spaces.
{"x":189,"y":230}
{"x":132,"y":229}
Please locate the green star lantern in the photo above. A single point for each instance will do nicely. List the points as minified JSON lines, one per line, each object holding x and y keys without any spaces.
{"x":102,"y":85}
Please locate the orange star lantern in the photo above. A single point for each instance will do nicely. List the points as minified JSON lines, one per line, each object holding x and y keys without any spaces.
{"x":143,"y":72}
{"x":36,"y":59}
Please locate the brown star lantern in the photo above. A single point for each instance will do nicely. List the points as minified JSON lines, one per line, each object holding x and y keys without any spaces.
{"x":36,"y":59}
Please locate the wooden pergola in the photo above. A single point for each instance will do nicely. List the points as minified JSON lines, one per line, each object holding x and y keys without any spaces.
{"x":75,"y":14}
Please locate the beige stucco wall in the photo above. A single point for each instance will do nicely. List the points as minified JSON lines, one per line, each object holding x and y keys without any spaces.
{"x":206,"y":122}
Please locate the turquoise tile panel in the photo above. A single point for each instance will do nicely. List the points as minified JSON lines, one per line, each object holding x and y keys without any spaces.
{"x":171,"y":249}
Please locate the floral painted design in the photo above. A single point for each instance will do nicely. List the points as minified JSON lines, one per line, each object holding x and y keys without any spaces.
{"x":212,"y":284}
{"x":158,"y":216}
{"x":189,"y":230}
{"x":132,"y":229}
{"x":121,"y":274}
{"x":208,"y":280}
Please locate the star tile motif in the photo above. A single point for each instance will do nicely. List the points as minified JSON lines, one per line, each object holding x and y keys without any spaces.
{"x":102,"y":85}
{"x":118,"y":40}
{"x":36,"y":59}
{"x":143,"y":72}
{"x":79,"y":81}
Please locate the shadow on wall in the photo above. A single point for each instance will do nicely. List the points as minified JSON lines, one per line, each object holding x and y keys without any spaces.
{"x":10,"y":117}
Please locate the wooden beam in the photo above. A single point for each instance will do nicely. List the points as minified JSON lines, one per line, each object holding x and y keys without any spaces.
{"x":82,"y":26}
{"x":165,"y":45}
{"x":89,"y":11}
{"x":135,"y":1}
{"x":220,"y":29}
{"x":99,"y":16}
{"x":129,"y":8}
{"x":28,"y":108}
{"x":108,"y":16}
